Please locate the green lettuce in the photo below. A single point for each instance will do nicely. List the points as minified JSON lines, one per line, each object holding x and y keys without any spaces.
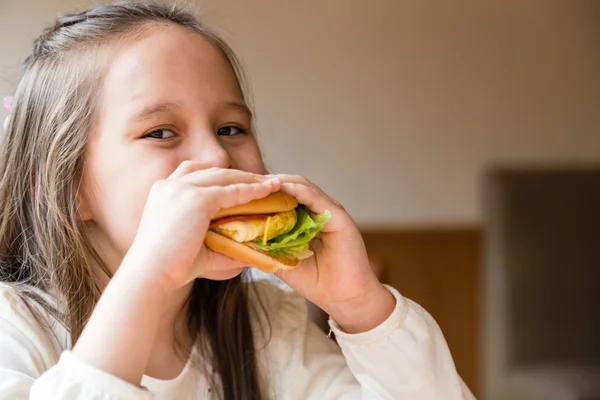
{"x":294,"y":244}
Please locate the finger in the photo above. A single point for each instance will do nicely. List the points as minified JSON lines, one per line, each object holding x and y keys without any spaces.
{"x":303,"y":181}
{"x":242,"y":193}
{"x":221,"y":177}
{"x":310,"y":196}
{"x":287,"y":178}
{"x":187,"y":167}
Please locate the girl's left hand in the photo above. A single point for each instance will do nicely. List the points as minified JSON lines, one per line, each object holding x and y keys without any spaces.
{"x":338,"y":278}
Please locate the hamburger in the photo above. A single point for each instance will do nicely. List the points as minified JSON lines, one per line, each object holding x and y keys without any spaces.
{"x":269,"y":234}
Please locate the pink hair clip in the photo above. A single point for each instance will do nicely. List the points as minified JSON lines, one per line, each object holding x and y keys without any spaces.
{"x":8,"y":103}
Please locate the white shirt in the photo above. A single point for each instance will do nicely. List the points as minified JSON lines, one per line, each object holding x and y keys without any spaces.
{"x":406,"y":357}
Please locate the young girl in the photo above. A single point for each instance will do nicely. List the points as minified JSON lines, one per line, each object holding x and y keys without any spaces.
{"x":128,"y":132}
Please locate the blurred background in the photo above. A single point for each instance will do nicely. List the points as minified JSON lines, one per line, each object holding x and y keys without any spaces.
{"x":464,"y":138}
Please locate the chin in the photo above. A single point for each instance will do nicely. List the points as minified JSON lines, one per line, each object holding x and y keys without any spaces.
{"x":223,"y":268}
{"x":224,"y":275}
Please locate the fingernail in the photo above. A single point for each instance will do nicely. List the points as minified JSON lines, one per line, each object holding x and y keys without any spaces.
{"x":272,"y":179}
{"x":8,"y":103}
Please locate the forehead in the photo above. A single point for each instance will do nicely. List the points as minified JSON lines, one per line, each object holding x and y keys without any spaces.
{"x":168,"y":63}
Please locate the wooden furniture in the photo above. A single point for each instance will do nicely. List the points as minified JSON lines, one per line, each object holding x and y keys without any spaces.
{"x":439,"y":269}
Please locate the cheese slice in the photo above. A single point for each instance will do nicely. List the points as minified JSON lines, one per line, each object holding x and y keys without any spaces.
{"x":247,"y":230}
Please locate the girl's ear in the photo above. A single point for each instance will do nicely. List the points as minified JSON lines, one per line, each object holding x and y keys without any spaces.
{"x":83,"y":207}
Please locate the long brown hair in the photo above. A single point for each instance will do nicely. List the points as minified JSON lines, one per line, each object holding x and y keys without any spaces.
{"x":42,"y":244}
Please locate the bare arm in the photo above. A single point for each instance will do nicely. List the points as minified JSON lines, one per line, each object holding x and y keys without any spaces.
{"x":167,"y":254}
{"x":121,"y":331}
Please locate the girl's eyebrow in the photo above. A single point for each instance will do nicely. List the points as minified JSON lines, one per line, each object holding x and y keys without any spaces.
{"x":148,"y":111}
{"x":238,"y":106}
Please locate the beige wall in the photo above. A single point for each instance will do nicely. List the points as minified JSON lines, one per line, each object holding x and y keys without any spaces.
{"x":395,"y":107}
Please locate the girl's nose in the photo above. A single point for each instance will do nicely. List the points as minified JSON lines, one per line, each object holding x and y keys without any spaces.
{"x":211,"y":152}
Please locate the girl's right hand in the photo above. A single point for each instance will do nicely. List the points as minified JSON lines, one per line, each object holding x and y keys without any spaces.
{"x":169,"y":244}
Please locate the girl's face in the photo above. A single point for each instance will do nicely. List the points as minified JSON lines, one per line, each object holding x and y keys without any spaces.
{"x":167,"y":97}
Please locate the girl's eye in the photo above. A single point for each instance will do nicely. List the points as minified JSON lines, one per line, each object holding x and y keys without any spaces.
{"x":230,"y":131}
{"x":160,"y":134}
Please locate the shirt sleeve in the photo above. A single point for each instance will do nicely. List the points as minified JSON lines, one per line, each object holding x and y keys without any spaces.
{"x":406,"y":357}
{"x":34,"y":367}
{"x":73,"y":379}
